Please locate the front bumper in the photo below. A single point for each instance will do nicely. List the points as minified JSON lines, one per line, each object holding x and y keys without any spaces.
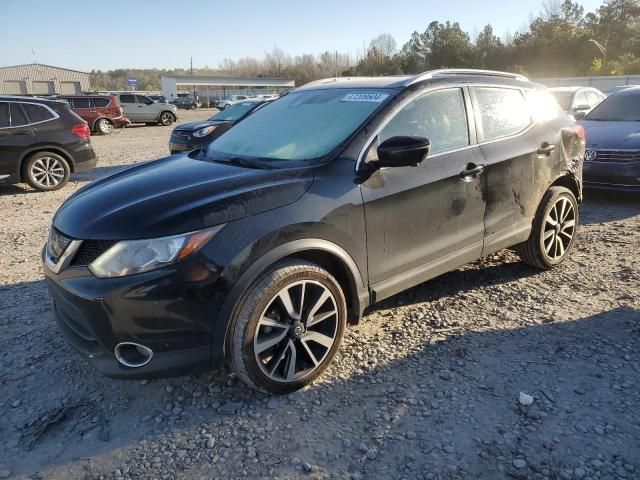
{"x":172,"y":311}
{"x":612,"y":175}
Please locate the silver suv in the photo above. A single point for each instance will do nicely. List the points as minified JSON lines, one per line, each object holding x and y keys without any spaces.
{"x":142,"y":109}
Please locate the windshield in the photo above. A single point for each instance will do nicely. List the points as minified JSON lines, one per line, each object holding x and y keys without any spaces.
{"x":617,"y":108}
{"x":563,"y":99}
{"x":234,"y":112}
{"x":300,"y":126}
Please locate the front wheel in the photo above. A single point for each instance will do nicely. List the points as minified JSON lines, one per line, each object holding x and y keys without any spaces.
{"x":167,"y":118}
{"x":554,"y":230}
{"x":287,"y":328}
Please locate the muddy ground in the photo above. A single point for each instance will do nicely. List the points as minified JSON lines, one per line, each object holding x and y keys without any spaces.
{"x":426,"y":387}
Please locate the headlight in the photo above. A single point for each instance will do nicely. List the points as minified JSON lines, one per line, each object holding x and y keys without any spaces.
{"x":137,"y":256}
{"x":203,"y":132}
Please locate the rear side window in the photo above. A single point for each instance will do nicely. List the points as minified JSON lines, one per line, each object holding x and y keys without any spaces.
{"x":439,"y":116}
{"x":503,"y":111}
{"x":581,"y":99}
{"x":17,"y":116}
{"x":594,"y":98}
{"x":127,"y":99}
{"x":4,"y":115}
{"x":100,"y":102}
{"x":80,"y":102}
{"x":37,"y":113}
{"x":142,"y":99}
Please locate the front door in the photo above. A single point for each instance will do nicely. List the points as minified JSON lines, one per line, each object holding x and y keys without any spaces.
{"x":423,"y":221}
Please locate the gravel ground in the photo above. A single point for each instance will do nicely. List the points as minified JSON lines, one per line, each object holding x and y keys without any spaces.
{"x":428,"y":386}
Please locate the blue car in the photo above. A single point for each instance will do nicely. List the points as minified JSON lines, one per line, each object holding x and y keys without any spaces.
{"x":612,"y":157}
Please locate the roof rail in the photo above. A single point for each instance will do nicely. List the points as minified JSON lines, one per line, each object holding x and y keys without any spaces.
{"x":463,"y":71}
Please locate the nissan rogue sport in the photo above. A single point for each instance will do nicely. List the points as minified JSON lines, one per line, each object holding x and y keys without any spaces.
{"x":256,"y":251}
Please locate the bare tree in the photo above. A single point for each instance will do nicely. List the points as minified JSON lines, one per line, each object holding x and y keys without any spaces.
{"x":384,"y":44}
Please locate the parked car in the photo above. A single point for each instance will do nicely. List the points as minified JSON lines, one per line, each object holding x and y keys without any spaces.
{"x":577,"y":101}
{"x":190,"y":136}
{"x":258,"y":250}
{"x":612,"y":158}
{"x":186,"y":103}
{"x":618,"y":88}
{"x":142,"y":109}
{"x":158,"y":98}
{"x":232,"y":100}
{"x":42,"y":142}
{"x":102,"y":113}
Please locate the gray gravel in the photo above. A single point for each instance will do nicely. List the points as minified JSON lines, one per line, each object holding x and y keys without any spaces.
{"x":428,"y":386}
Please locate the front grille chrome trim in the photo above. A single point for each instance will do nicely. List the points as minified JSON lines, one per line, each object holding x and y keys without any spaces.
{"x":65,"y":259}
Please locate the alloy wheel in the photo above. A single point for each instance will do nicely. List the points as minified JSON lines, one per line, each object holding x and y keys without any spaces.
{"x":105,"y":126}
{"x":47,"y":172}
{"x":296,"y":331}
{"x":559,"y":228}
{"x":166,"y":119}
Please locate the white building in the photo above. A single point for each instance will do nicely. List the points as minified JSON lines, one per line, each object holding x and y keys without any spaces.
{"x":38,"y":79}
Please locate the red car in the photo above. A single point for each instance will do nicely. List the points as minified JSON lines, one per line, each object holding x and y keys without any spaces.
{"x":101,"y":112}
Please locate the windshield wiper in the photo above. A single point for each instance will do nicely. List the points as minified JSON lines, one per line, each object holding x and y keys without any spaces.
{"x":243,"y":162}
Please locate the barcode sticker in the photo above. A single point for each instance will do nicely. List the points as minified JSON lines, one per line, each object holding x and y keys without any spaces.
{"x":364,"y":97}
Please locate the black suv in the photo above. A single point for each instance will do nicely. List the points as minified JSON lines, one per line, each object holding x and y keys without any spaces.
{"x":258,"y":250}
{"x":42,"y":142}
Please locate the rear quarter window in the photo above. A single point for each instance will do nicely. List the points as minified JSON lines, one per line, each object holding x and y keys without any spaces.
{"x":503,"y":111}
{"x":37,"y":113}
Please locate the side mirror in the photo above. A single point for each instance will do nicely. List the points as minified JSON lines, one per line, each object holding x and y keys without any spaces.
{"x":583,"y":107}
{"x":402,"y":151}
{"x":579,"y":115}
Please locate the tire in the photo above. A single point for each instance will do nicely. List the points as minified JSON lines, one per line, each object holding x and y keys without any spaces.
{"x":226,"y":106}
{"x":262,"y":318}
{"x":104,"y":126}
{"x":551,"y":241}
{"x":194,"y":106}
{"x":167,"y":118}
{"x":46,"y":171}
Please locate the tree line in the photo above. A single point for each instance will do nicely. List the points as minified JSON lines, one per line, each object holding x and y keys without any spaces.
{"x":562,"y":40}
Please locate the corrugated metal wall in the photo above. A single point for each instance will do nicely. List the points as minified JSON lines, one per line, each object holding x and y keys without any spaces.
{"x":40,"y":79}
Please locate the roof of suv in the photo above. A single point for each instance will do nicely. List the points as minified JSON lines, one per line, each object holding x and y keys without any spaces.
{"x":17,"y":98}
{"x":404,"y":81}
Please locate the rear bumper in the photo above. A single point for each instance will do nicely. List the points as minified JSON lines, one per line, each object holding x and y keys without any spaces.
{"x":612,"y":175}
{"x":83,"y":157}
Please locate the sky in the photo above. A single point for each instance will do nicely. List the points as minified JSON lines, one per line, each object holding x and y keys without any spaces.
{"x":86,"y":35}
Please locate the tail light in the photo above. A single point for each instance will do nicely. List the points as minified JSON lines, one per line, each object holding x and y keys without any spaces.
{"x":81,"y":130}
{"x":579,"y":130}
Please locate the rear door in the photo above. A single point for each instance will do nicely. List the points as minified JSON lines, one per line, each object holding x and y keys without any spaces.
{"x":510,"y":141}
{"x":147,"y":109}
{"x":15,"y":136}
{"x":130,"y":107}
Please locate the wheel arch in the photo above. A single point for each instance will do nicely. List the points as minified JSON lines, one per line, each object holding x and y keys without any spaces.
{"x":569,"y":181}
{"x":44,"y":148}
{"x":326,"y":254}
{"x":162,"y":112}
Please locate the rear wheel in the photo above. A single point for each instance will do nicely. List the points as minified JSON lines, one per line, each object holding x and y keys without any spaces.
{"x":554,"y":230}
{"x":104,"y":126}
{"x":287,"y":328}
{"x":46,"y":171}
{"x":167,"y":118}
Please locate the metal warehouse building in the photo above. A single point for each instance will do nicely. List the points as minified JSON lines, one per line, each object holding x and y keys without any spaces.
{"x":38,"y":79}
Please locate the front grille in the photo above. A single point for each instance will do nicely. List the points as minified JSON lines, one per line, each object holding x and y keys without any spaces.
{"x":617,"y":156}
{"x":177,"y":137}
{"x":90,"y":250}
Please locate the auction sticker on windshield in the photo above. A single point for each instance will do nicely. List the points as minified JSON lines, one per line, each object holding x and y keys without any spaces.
{"x":364,"y":97}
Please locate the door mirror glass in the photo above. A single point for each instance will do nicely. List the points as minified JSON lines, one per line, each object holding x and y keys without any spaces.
{"x":402,"y":151}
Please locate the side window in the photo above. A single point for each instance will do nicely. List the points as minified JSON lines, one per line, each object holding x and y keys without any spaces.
{"x":4,"y":115}
{"x":581,"y":99}
{"x":594,"y":98}
{"x":17,"y":116}
{"x":81,"y":102}
{"x":37,"y":113}
{"x":503,"y":111}
{"x":100,"y":102}
{"x":127,"y":99}
{"x":142,"y":99}
{"x":439,"y":116}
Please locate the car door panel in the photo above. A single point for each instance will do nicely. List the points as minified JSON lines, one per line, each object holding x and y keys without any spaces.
{"x":130,"y":107}
{"x":426,"y":219}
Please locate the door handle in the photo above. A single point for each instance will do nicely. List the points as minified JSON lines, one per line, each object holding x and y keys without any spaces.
{"x":471,"y":172}
{"x":546,"y":149}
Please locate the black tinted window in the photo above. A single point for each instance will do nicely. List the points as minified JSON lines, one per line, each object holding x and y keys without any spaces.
{"x":143,"y":99}
{"x":127,"y":99}
{"x":4,"y":115}
{"x":37,"y":113}
{"x":82,"y":102}
{"x":100,"y":102}
{"x":17,"y":116}
{"x":503,"y":112}
{"x":439,"y":116}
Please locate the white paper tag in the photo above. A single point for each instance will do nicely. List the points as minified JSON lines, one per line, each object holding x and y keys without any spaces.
{"x":364,"y":97}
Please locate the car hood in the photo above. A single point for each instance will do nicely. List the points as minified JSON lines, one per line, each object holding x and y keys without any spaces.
{"x":193,"y":126}
{"x":612,"y":135}
{"x":176,"y":194}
